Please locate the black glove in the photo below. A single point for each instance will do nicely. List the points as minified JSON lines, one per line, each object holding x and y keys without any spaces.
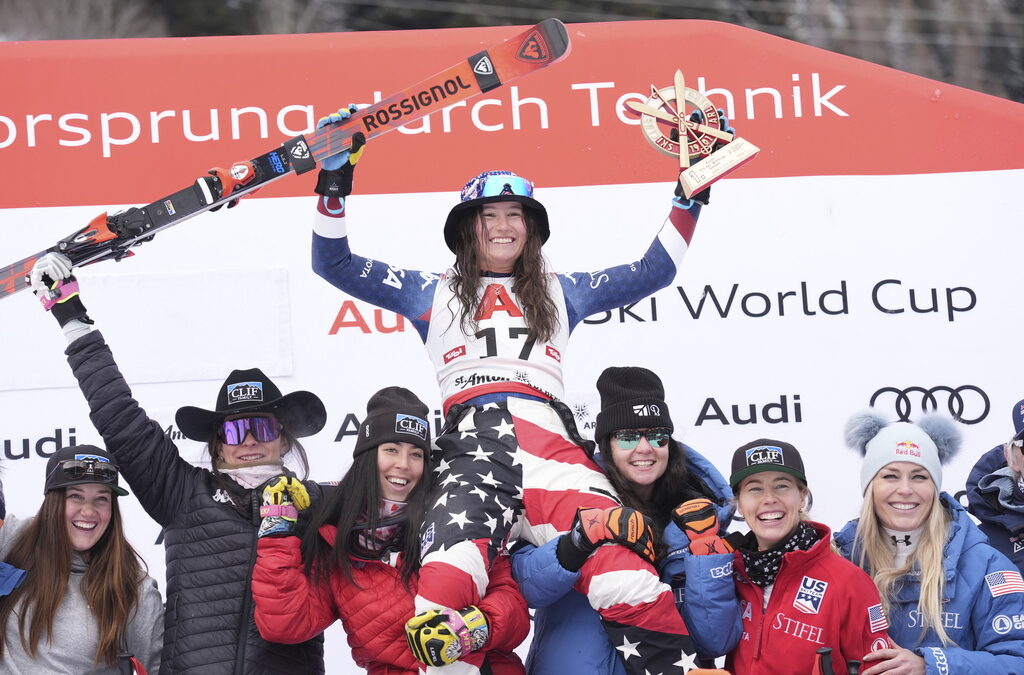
{"x":704,"y":196}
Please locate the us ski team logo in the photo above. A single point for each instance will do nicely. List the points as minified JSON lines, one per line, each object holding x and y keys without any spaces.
{"x":809,"y":595}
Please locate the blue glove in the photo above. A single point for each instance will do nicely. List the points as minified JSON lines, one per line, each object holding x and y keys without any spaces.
{"x":335,"y":179}
{"x":335,"y":162}
{"x":677,"y":548}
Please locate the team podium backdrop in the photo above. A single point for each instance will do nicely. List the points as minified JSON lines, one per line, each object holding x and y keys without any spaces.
{"x":870,"y":253}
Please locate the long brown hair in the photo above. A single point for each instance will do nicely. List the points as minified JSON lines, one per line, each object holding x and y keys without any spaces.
{"x":356,"y":498}
{"x":110,"y":585}
{"x":671,"y":489}
{"x":530,"y":285}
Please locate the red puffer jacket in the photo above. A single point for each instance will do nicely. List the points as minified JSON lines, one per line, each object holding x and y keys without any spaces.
{"x":289,"y":609}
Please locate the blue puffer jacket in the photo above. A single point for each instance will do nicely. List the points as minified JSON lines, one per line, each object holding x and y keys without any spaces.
{"x":995,"y":500}
{"x":981,"y":616}
{"x":567,"y":634}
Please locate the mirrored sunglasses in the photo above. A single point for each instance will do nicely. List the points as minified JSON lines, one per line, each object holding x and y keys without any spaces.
{"x":89,"y":467}
{"x":628,"y":439}
{"x":497,"y":185}
{"x":264,"y":429}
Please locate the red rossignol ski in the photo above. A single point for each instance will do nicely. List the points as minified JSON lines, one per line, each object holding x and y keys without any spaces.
{"x":111,"y":237}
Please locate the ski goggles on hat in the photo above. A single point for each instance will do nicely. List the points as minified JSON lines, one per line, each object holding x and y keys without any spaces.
{"x":88,"y":466}
{"x":497,"y":184}
{"x":264,"y":428}
{"x":628,"y":439}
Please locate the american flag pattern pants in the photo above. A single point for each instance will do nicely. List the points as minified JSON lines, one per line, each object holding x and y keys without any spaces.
{"x":516,"y":469}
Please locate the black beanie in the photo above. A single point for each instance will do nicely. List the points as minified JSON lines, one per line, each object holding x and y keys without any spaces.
{"x":394,"y":415}
{"x":631,"y":398}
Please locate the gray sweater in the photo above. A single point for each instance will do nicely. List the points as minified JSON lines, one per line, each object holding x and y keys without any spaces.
{"x":75,"y":636}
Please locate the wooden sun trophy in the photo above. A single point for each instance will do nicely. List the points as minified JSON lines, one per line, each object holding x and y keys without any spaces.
{"x":666,"y":111}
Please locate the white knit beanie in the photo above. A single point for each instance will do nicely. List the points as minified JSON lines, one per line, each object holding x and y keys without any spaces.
{"x":930,"y":443}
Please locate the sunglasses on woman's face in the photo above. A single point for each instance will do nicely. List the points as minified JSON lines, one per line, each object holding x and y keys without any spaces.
{"x":628,"y":439}
{"x":264,"y":428}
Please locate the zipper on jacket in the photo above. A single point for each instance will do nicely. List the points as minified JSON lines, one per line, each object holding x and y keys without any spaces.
{"x":243,"y":628}
{"x":764,"y":607}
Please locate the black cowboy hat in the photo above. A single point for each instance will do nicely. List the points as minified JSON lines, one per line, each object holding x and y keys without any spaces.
{"x":301,"y":413}
{"x":495,"y":186}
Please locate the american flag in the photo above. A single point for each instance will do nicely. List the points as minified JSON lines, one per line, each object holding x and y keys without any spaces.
{"x":1001,"y":583}
{"x":876,"y":619}
{"x":515,"y":460}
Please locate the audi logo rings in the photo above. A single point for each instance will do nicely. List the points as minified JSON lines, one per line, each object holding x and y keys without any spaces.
{"x":968,"y":404}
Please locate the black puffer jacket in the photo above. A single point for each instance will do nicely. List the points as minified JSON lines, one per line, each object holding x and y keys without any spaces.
{"x":210,"y":535}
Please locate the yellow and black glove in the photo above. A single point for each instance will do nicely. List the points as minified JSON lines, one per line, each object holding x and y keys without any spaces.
{"x":440,"y":637}
{"x":283,"y":498}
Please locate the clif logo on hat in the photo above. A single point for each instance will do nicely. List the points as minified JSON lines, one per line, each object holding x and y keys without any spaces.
{"x":408,"y":424}
{"x":765,"y":454}
{"x":245,"y":392}
{"x":908,"y":449}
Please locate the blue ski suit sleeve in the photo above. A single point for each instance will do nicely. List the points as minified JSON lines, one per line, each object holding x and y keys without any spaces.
{"x":587,"y":293}
{"x":406,"y":292}
{"x":997,"y":646}
{"x":541,"y":578}
{"x":703,"y":584}
{"x":710,"y":606}
{"x":411,"y":292}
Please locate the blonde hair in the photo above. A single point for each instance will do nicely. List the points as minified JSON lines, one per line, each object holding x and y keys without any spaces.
{"x":877,"y":559}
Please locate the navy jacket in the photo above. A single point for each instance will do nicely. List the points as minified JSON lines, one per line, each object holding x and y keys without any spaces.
{"x":993,"y":500}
